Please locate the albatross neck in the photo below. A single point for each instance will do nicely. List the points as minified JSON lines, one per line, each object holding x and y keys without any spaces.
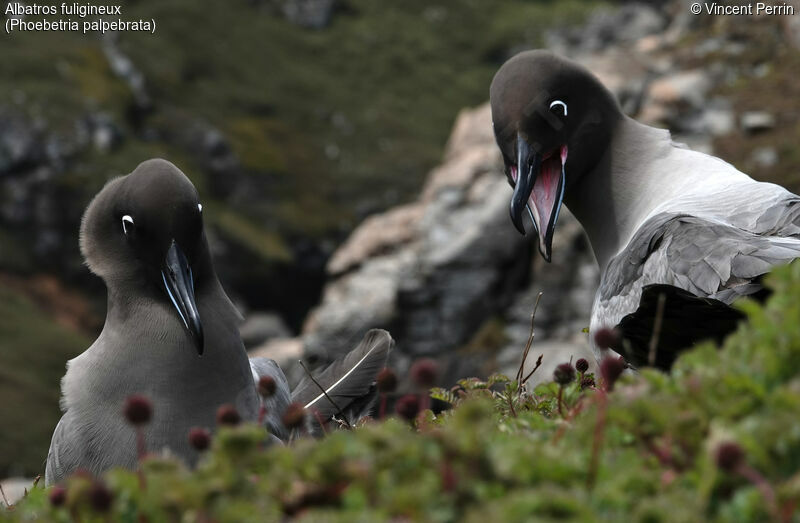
{"x":641,"y":172}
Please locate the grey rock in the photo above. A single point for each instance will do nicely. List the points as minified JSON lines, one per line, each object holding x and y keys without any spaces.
{"x":312,"y":14}
{"x":753,"y":122}
{"x":765,"y":157}
{"x":718,"y":119}
{"x":260,"y":327}
{"x":610,"y":26}
{"x":14,"y":489}
{"x":105,"y":133}
{"x":431,"y":271}
{"x":123,"y":67}
{"x":19,"y":141}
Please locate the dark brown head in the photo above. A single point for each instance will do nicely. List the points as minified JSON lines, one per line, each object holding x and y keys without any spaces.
{"x":143,"y":234}
{"x":553,"y":122}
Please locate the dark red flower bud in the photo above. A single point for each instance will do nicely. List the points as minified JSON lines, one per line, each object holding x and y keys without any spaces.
{"x":582,"y":365}
{"x":386,"y":381}
{"x":606,"y":338}
{"x":294,"y":417}
{"x":138,"y":409}
{"x":228,"y":415}
{"x":199,"y":438}
{"x":408,"y":406}
{"x":57,"y":495}
{"x":587,"y":382}
{"x":564,"y":374}
{"x":100,"y":497}
{"x":611,"y":369}
{"x":729,"y":456}
{"x":424,"y":372}
{"x":266,"y":386}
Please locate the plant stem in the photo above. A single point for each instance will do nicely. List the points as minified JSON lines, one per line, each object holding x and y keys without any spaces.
{"x":599,"y":431}
{"x":530,"y":340}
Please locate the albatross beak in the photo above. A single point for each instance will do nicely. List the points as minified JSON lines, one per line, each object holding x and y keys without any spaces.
{"x":179,"y":284}
{"x":539,"y":188}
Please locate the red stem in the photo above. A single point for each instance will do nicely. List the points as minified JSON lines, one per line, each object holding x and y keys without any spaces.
{"x":382,"y":410}
{"x":140,"y":445}
{"x":752,"y":475}
{"x":140,"y":451}
{"x":599,"y":430}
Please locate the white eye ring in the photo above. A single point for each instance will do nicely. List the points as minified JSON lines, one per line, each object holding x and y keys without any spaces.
{"x":559,"y":102}
{"x":200,"y":207}
{"x":125,"y":221}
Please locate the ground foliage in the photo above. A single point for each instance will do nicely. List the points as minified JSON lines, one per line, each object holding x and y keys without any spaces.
{"x":716,"y":440}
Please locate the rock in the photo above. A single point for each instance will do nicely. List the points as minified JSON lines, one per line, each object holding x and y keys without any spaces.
{"x":19,"y":141}
{"x":753,"y":122}
{"x":684,"y":87}
{"x":259,"y":327}
{"x":123,"y":67}
{"x":14,"y":489}
{"x":718,"y":119}
{"x":377,"y":235}
{"x":285,"y":351}
{"x":312,"y":14}
{"x":765,"y":157}
{"x":610,"y":26}
{"x":791,"y":27}
{"x":105,"y":133}
{"x":431,"y":271}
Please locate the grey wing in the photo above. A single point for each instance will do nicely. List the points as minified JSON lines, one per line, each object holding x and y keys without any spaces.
{"x":63,"y":456}
{"x":276,"y":405}
{"x":708,"y":258}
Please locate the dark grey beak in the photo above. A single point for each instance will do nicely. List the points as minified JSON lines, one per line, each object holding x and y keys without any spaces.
{"x":179,"y":284}
{"x":528,"y":164}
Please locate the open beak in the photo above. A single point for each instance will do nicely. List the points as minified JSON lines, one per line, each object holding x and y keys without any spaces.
{"x":538,"y":187}
{"x":179,"y":284}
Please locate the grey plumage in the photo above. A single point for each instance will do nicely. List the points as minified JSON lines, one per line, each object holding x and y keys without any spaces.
{"x":171,"y":333}
{"x":707,"y":258}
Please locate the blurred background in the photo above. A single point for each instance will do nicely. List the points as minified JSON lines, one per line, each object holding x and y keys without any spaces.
{"x":349,"y":177}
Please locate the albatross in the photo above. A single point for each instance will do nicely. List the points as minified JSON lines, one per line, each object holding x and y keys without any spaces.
{"x":677,"y":233}
{"x":171,"y":334}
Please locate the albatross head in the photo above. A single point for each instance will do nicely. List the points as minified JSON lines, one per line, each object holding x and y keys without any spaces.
{"x":143,"y":234}
{"x":545,"y":109}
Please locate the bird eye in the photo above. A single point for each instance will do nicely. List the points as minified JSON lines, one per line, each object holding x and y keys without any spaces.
{"x":127,"y":224}
{"x":200,"y":207}
{"x":558,"y":107}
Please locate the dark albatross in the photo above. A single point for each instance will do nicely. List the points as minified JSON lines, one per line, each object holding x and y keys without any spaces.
{"x":662,"y":220}
{"x":171,"y":334}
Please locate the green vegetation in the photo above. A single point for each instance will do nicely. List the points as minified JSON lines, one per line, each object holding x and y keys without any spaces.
{"x":378,"y":90}
{"x":715,"y":440}
{"x":30,"y":372}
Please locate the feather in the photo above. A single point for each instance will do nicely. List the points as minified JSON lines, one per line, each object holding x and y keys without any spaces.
{"x":347,"y":379}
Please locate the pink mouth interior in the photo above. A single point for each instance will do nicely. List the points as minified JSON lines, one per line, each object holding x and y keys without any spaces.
{"x":545,"y":189}
{"x":545,"y":192}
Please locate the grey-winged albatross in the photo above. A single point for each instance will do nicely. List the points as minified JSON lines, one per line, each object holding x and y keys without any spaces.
{"x":171,"y":334}
{"x":662,"y":219}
